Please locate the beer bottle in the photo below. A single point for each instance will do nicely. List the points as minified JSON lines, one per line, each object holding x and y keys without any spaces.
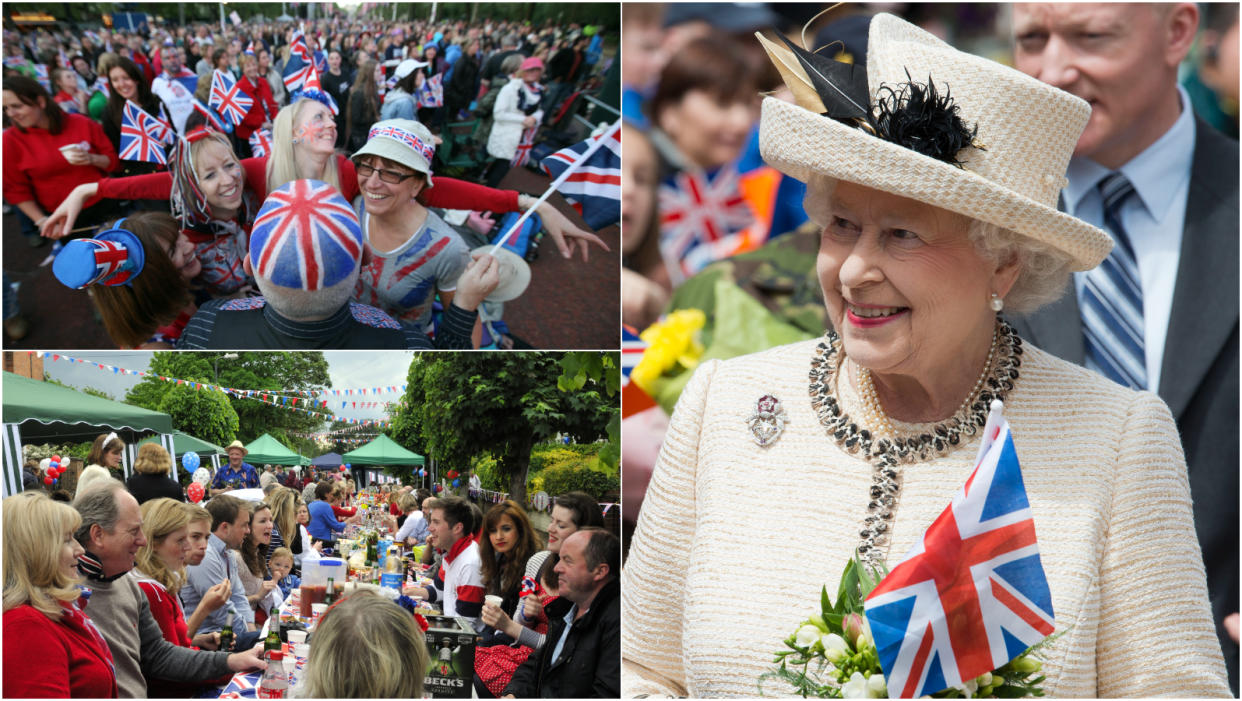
{"x":329,"y":596}
{"x":272,"y":643}
{"x":226,"y":637}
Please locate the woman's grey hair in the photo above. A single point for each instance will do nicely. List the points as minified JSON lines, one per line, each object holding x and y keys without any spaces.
{"x":97,"y":505}
{"x":510,"y":65}
{"x":1043,"y":271}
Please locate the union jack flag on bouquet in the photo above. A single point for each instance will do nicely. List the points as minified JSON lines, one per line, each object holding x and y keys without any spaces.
{"x":141,"y":136}
{"x":632,"y":348}
{"x":703,"y":218}
{"x":972,"y":594}
{"x":307,"y":236}
{"x":228,"y":97}
{"x":595,"y":186}
{"x":432,"y":92}
{"x":261,"y":143}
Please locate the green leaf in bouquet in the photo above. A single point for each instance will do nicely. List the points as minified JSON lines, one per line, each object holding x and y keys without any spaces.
{"x":825,"y":604}
{"x":846,"y":592}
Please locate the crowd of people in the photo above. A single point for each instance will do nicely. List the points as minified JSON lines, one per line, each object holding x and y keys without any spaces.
{"x":81,"y":566}
{"x":365,"y":115}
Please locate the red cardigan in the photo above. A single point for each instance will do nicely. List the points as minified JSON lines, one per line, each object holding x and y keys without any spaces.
{"x":448,"y":193}
{"x":49,"y":659}
{"x":34,"y":168}
{"x":262,"y":94}
{"x":166,"y":611}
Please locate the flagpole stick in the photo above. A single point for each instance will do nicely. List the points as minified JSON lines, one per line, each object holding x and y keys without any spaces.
{"x":595,"y":146}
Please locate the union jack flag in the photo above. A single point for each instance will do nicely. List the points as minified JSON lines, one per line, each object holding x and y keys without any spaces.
{"x":972,"y":594}
{"x":261,"y":143}
{"x":700,"y":218}
{"x":228,"y":97}
{"x":306,"y":236}
{"x":595,"y":185}
{"x":141,"y":136}
{"x":432,"y":92}
{"x":41,"y":76}
{"x":213,"y":117}
{"x":632,"y":348}
{"x":250,"y":49}
{"x":101,"y":85}
{"x":300,"y":64}
{"x":522,"y":155}
{"x":111,"y":259}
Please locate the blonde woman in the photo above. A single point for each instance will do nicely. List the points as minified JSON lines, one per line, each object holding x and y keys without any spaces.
{"x":51,"y":648}
{"x":150,"y":479}
{"x":366,"y":647}
{"x":159,"y":568}
{"x":284,"y":503}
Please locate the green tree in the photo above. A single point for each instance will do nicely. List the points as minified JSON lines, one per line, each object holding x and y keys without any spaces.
{"x":204,"y":414}
{"x":461,"y":405}
{"x":604,"y":369}
{"x":277,"y":372}
{"x":92,"y":391}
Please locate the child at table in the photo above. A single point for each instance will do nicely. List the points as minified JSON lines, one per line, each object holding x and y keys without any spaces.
{"x":281,"y":566}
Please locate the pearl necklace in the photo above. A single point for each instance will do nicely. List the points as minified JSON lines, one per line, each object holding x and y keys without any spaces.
{"x":873,"y":411}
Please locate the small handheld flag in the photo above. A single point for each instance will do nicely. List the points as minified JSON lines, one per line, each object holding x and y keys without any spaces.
{"x":141,"y":136}
{"x":971,"y":594}
{"x":228,"y":97}
{"x":261,"y":143}
{"x":595,"y":186}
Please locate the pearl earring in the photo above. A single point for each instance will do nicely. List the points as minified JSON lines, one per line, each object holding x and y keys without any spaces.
{"x":996,"y":303}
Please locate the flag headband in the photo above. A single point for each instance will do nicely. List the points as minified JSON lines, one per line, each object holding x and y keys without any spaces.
{"x":406,"y":137}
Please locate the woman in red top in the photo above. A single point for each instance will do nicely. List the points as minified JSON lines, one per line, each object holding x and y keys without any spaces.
{"x":51,"y":648}
{"x":264,"y":107}
{"x":38,"y":174}
{"x":71,"y":98}
{"x":159,"y":568}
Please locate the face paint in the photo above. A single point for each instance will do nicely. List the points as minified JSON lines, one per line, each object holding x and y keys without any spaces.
{"x":308,"y":132}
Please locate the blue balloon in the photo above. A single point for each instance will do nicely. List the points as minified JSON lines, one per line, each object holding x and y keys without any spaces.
{"x":348,"y":466}
{"x":457,"y":483}
{"x":190,"y":461}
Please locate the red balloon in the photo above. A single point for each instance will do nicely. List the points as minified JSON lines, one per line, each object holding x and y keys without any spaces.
{"x":195,"y":492}
{"x":342,"y":468}
{"x":48,"y":480}
{"x":55,"y":458}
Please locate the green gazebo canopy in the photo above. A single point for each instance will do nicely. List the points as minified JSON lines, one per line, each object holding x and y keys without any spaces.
{"x":383,"y":451}
{"x":266,"y":449}
{"x":35,"y":405}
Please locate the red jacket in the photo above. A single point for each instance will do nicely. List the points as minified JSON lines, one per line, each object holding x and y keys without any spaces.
{"x":166,"y":611}
{"x":262,"y":94}
{"x":34,"y":168}
{"x":49,"y":659}
{"x":448,"y":193}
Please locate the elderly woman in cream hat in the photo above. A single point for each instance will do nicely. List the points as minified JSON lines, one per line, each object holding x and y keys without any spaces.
{"x":935,"y":178}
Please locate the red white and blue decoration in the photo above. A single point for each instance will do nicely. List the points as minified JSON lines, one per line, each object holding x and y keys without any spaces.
{"x":300,"y":64}
{"x":312,"y":90}
{"x":114,"y":257}
{"x":219,"y":123}
{"x":41,"y":75}
{"x":595,"y":186}
{"x":425,"y":149}
{"x":972,"y":594}
{"x":228,"y":97}
{"x":701,"y":217}
{"x":306,"y":236}
{"x":101,"y":85}
{"x":432,"y":92}
{"x":142,"y":136}
{"x":261,"y":143}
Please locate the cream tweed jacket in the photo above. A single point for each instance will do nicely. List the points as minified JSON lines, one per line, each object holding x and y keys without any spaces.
{"x":734,"y":541}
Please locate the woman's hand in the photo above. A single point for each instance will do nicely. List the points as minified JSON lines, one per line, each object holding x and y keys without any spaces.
{"x":415,"y":592}
{"x":217,"y":596}
{"x":249,"y":660}
{"x":206,"y":641}
{"x":78,"y":157}
{"x":495,"y":617}
{"x":559,"y":227}
{"x":265,"y":588}
{"x":528,"y":122}
{"x":532,"y":608}
{"x":60,"y":222}
{"x":478,"y":281}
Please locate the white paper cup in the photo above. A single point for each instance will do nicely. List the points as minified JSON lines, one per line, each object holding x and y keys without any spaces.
{"x":301,"y":650}
{"x":297,"y":636}
{"x":493,"y":600}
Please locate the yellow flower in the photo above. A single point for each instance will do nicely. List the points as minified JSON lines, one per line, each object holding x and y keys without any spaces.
{"x":672,"y":343}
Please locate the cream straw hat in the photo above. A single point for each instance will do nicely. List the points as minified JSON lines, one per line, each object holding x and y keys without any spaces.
{"x":1027,"y":131}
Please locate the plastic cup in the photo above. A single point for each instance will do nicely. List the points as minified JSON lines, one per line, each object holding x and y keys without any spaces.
{"x":297,"y":636}
{"x":301,"y":650}
{"x":493,"y":600}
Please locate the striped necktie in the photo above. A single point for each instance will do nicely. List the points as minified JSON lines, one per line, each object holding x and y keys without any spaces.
{"x":1112,"y":299}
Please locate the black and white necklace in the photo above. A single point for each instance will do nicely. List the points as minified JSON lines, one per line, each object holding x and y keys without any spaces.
{"x":887,"y":450}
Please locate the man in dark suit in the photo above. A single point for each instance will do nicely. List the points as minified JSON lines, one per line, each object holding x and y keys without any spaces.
{"x":1181,"y":227}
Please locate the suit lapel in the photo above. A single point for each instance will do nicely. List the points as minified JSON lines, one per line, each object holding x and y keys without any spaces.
{"x":1205,"y":298}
